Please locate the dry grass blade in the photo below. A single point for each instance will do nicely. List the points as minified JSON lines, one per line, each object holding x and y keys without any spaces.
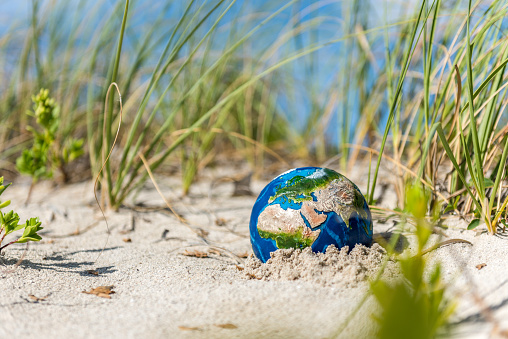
{"x":189,"y":328}
{"x":195,"y":253}
{"x":445,"y":243}
{"x":227,"y":326}
{"x":105,"y":161}
{"x":199,"y":232}
{"x":213,"y":250}
{"x":399,"y":165}
{"x":35,"y":299}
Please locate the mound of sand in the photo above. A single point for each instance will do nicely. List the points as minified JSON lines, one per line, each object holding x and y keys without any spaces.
{"x":335,"y":267}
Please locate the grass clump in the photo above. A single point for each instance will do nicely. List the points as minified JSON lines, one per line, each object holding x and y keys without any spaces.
{"x":9,"y":223}
{"x":205,"y":102}
{"x":453,"y":141}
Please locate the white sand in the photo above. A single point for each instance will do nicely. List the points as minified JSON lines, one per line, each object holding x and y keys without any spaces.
{"x":160,"y":293}
{"x":337,"y":268}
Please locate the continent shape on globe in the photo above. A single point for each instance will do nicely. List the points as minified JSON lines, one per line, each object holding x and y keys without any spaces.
{"x":309,"y":206}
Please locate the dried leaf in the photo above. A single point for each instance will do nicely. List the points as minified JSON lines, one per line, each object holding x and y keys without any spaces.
{"x":252,"y":276}
{"x":93,"y":272}
{"x":220,"y":222}
{"x":37,"y":299}
{"x":187,"y":328}
{"x":480,"y":266}
{"x":227,"y":326}
{"x":102,"y":291}
{"x":127,"y":240}
{"x":240,"y":268}
{"x":195,"y":253}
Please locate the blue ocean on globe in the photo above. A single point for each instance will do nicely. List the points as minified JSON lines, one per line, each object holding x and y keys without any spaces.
{"x":309,"y":206}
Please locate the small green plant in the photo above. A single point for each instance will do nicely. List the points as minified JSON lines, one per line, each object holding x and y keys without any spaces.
{"x":9,"y":223}
{"x":415,"y":305}
{"x":46,"y":153}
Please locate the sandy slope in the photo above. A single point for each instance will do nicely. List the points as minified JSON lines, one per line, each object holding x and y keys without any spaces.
{"x":161,"y":293}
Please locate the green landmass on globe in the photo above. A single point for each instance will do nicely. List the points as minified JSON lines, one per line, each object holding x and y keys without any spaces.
{"x":333,"y":193}
{"x":287,"y":240}
{"x":300,"y":187}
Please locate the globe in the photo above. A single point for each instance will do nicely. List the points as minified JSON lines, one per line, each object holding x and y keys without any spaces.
{"x":309,"y":206}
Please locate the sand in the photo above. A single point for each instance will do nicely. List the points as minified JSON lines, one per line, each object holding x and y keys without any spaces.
{"x":169,"y":282}
{"x":341,"y":268}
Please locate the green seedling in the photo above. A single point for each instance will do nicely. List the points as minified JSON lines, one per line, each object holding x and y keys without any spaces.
{"x":9,"y":223}
{"x":47,"y":153}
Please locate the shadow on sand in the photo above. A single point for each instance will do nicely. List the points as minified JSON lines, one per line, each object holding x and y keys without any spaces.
{"x":384,"y":239}
{"x":60,"y":262}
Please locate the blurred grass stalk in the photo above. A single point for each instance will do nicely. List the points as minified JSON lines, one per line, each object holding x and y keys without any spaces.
{"x":415,"y":305}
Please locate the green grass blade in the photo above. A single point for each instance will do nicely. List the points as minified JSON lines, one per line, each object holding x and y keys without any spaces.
{"x":437,"y":128}
{"x":499,"y":175}
{"x":108,"y":121}
{"x":125,"y":164}
{"x":478,"y":171}
{"x":396,"y":98}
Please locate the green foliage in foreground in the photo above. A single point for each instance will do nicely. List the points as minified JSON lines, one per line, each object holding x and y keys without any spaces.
{"x":9,"y":223}
{"x":46,"y":153}
{"x":415,"y":305}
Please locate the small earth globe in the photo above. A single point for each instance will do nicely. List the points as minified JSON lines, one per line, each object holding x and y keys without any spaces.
{"x":309,"y":206}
